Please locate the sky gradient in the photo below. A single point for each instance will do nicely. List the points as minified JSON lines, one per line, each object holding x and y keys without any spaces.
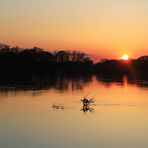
{"x":104,"y":28}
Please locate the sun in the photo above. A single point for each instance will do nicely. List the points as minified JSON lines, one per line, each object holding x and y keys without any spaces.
{"x":125,"y":57}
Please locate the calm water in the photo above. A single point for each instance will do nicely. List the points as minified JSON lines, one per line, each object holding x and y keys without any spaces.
{"x":117,"y":119}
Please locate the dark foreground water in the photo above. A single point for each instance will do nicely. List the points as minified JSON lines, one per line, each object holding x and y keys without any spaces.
{"x":54,"y":117}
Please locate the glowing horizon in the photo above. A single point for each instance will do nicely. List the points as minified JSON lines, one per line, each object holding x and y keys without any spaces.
{"x":125,"y":57}
{"x":106,"y":29}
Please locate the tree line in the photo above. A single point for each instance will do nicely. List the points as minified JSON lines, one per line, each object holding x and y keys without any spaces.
{"x":37,"y":60}
{"x":129,"y":67}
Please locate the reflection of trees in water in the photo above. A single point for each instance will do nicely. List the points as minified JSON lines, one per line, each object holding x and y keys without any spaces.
{"x":139,"y":80}
{"x":72,"y":82}
{"x":108,"y":81}
{"x":63,"y":82}
{"x":45,"y":82}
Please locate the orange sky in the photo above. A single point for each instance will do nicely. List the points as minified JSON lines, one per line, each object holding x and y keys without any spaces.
{"x":103,"y":28}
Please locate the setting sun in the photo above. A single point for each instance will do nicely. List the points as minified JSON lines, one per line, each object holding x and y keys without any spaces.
{"x":125,"y":57}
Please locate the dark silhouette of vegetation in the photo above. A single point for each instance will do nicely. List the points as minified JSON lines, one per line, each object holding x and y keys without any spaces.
{"x":33,"y":65}
{"x":37,"y":60}
{"x":122,"y":67}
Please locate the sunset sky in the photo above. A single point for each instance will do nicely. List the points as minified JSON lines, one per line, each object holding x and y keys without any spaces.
{"x":103,"y":28}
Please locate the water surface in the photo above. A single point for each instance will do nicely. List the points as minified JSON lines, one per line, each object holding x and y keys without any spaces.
{"x":117,"y":119}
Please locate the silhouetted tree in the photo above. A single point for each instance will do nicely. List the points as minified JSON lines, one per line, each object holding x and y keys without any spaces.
{"x":62,"y":56}
{"x":36,"y":59}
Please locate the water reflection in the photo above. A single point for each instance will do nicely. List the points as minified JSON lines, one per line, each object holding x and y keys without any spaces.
{"x":87,"y":103}
{"x":123,"y":80}
{"x":56,"y":82}
{"x":87,"y":109}
{"x":47,"y":110}
{"x":68,"y":82}
{"x":71,"y":82}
